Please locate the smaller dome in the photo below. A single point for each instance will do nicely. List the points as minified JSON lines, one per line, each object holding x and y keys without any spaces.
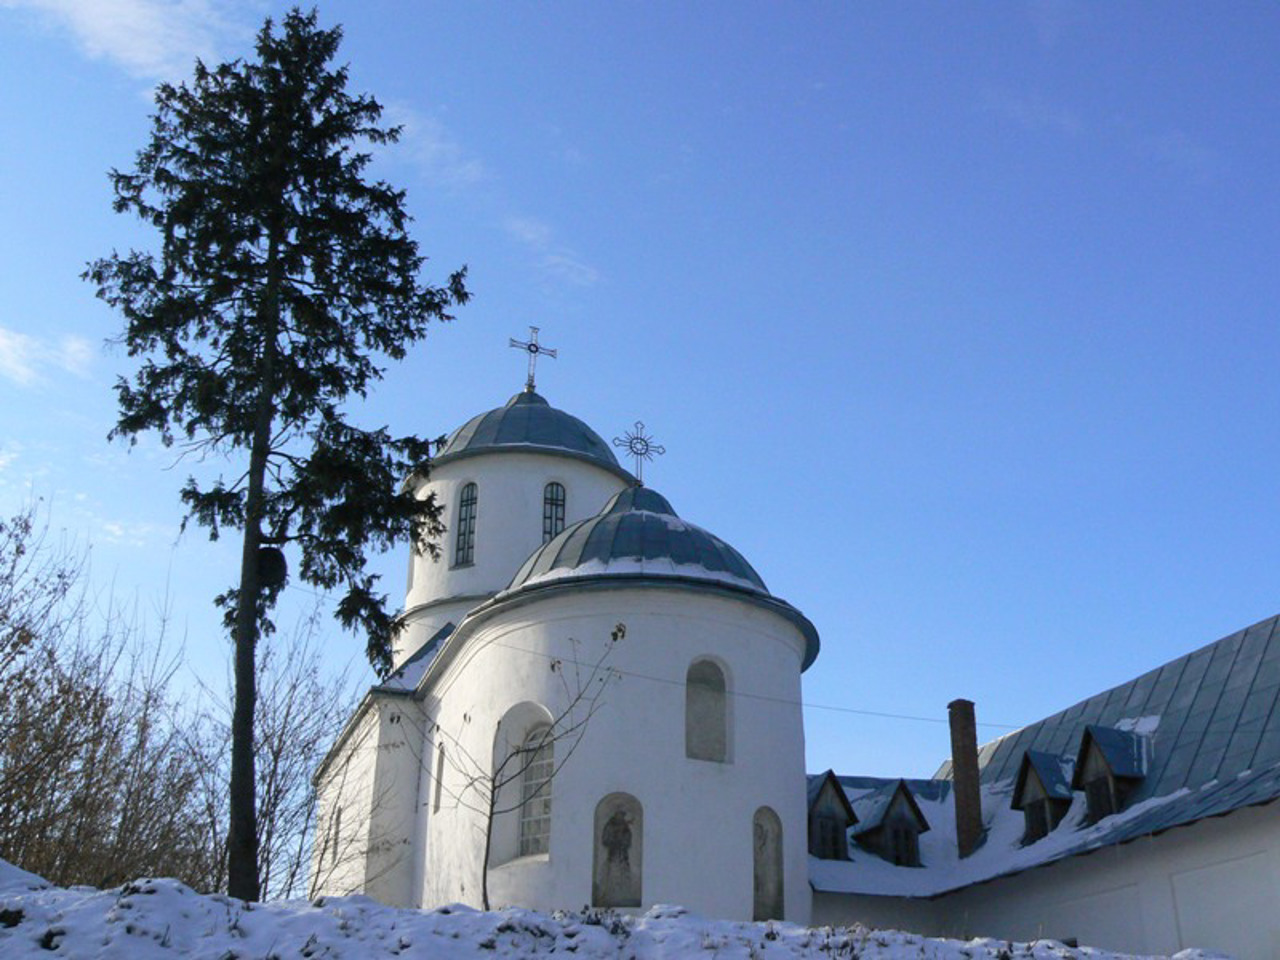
{"x":638,"y":533}
{"x":528,"y":421}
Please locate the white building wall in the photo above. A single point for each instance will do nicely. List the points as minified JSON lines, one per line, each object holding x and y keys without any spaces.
{"x":373,"y":780}
{"x":697,"y":814}
{"x":1214,"y":884}
{"x":345,"y":791}
{"x":393,"y":804}
{"x":510,"y":485}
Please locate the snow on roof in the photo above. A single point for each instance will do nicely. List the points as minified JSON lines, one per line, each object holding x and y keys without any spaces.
{"x":1001,"y":853}
{"x":411,"y":672}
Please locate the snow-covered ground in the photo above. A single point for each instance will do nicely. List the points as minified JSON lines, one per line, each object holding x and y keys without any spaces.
{"x":155,"y":919}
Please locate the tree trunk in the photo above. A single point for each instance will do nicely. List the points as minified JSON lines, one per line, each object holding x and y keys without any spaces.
{"x":488,"y":843}
{"x":242,"y":837}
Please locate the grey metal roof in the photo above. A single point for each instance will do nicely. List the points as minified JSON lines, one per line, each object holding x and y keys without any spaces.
{"x":528,"y":421}
{"x":1213,"y":712}
{"x":638,"y":531}
{"x":1205,"y":728}
{"x":638,"y":541}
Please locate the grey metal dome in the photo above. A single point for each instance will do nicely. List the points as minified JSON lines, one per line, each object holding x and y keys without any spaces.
{"x":639,"y":534}
{"x":528,"y":421}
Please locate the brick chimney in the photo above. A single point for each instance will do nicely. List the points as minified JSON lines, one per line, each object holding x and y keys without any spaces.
{"x":964,"y":775}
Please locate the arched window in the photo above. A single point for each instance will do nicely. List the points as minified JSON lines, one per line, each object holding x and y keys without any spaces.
{"x":465,"y":549}
{"x":766,"y":859}
{"x":618,"y":862}
{"x":537,"y":764}
{"x":706,"y":730}
{"x":552,"y":510}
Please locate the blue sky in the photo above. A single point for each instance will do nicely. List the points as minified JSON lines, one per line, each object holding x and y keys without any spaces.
{"x":959,"y":321}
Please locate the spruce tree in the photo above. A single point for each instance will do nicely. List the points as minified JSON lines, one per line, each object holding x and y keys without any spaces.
{"x":283,"y":280}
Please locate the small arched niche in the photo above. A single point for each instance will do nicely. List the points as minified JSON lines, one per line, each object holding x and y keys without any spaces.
{"x":706,"y":709}
{"x":618,"y":859}
{"x":766,"y":843}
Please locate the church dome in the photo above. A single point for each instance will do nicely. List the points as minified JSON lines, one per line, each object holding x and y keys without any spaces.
{"x":528,"y":422}
{"x":637,"y":534}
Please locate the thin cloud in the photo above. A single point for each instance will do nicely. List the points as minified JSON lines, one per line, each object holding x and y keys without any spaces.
{"x":533,"y":233}
{"x":25,"y":360}
{"x":557,"y":261}
{"x":133,"y":533}
{"x":149,"y":39}
{"x":425,"y":142}
{"x":9,"y":452}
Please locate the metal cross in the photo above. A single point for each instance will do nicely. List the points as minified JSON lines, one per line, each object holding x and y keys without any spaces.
{"x":639,"y":446}
{"x":534,"y":349}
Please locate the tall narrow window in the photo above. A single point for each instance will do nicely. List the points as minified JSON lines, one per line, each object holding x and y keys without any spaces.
{"x":336,"y":832}
{"x":538,"y":760}
{"x":552,"y":510}
{"x":465,"y":551}
{"x":706,"y":733}
{"x":435,"y":805}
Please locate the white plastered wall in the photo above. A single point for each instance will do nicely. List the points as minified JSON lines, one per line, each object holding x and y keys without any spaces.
{"x":510,"y":485}
{"x":373,"y":778}
{"x":343,"y":807}
{"x":697,"y":814}
{"x":1214,"y":885}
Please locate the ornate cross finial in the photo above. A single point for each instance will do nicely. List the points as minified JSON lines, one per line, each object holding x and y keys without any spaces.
{"x":534,"y":349}
{"x":639,"y":446}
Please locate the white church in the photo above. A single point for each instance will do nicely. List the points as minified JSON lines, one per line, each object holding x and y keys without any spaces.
{"x":597,"y":702}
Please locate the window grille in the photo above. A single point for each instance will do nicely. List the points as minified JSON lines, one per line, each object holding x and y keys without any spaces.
{"x":832,"y":844}
{"x":465,"y":551}
{"x":904,"y":847}
{"x":552,"y":510}
{"x":538,"y":760}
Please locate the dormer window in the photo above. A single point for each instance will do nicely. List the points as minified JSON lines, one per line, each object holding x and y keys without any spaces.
{"x":1109,"y":768}
{"x":830,"y":817}
{"x":1042,"y":793}
{"x":890,"y":823}
{"x":552,"y":510}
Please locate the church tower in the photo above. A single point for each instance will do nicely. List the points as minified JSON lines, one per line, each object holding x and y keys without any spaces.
{"x":509,"y":480}
{"x":594,"y":701}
